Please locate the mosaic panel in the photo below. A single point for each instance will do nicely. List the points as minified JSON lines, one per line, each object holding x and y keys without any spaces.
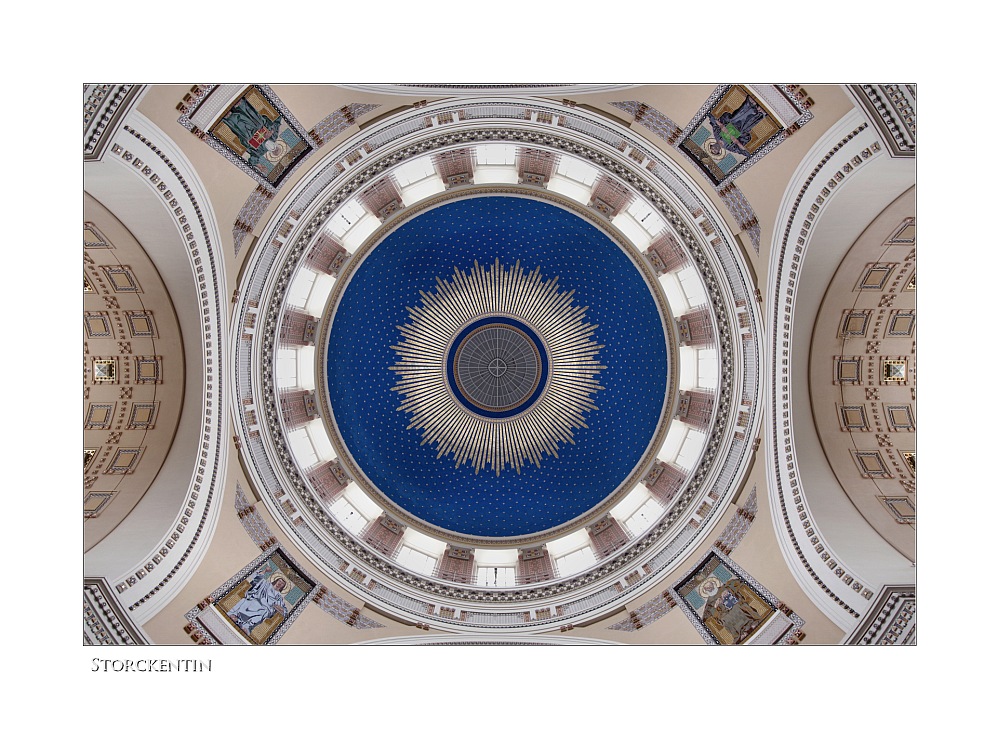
{"x":726,"y":605}
{"x":263,"y":602}
{"x":668,"y":131}
{"x":259,"y":134}
{"x":725,"y":139}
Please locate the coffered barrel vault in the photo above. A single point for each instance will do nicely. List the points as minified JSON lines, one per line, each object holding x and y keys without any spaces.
{"x":499,"y":362}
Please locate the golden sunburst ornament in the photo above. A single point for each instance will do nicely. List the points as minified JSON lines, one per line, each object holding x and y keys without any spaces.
{"x":497,"y":367}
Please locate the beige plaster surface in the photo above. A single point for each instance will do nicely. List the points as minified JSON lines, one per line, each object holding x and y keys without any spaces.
{"x":155,"y":441}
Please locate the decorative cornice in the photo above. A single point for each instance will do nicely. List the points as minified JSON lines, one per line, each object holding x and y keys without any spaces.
{"x":788,"y":499}
{"x":484,"y":89}
{"x":103,"y":110}
{"x":892,"y":619}
{"x":104,"y":622}
{"x":198,"y":512}
{"x":891,"y":108}
{"x":492,"y":640}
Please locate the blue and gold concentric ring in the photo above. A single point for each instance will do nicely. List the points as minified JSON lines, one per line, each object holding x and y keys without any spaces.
{"x":498,"y":368}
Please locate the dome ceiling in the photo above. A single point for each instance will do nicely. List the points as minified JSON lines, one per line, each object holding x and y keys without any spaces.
{"x":493,"y":363}
{"x":863,"y":374}
{"x":497,"y":366}
{"x":406,"y":257}
{"x":134,"y":376}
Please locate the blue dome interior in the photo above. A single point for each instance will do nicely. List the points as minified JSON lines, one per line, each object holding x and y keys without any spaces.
{"x":430,"y":246}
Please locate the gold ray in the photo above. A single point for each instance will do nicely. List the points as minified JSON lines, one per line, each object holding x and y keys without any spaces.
{"x":496,"y":443}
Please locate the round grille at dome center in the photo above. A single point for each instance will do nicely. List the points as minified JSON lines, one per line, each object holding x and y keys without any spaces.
{"x":497,"y":367}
